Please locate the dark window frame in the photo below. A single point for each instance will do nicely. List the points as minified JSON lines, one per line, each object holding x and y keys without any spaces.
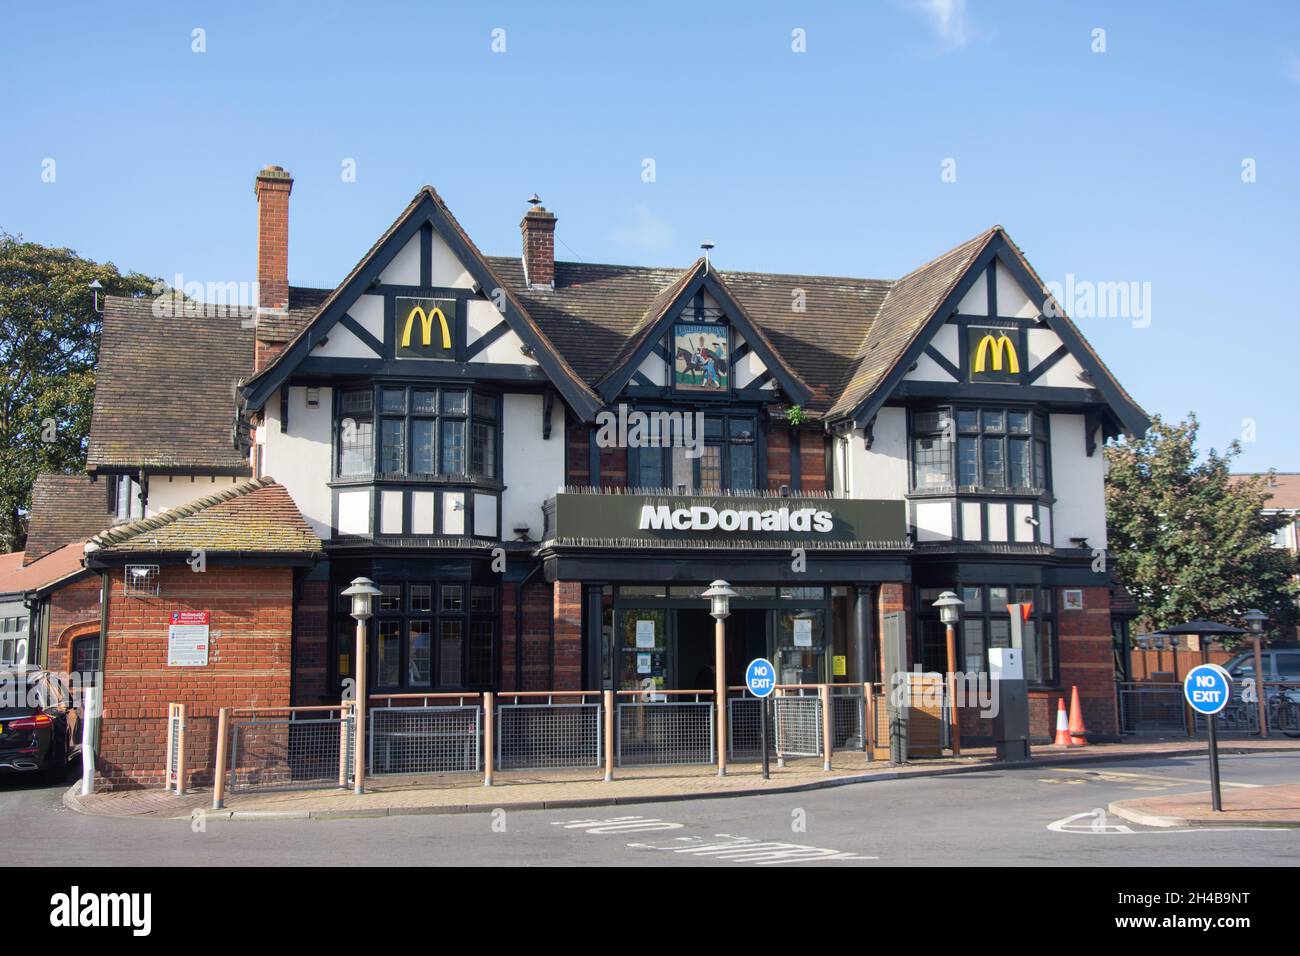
{"x":949,"y":435}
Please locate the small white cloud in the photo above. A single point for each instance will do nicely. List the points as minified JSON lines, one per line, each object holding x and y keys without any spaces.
{"x":645,"y":231}
{"x":948,"y":20}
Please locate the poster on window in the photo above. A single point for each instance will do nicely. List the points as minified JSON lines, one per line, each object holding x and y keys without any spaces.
{"x":187,"y":639}
{"x":701,"y":358}
{"x":803,"y":632}
{"x":645,"y":633}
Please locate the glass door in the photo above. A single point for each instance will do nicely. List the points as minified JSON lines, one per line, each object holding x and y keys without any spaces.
{"x":642,"y":641}
{"x":801,"y":645}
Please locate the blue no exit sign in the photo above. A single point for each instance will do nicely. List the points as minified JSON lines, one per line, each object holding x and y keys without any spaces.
{"x":1207,"y":688}
{"x":760,"y":677}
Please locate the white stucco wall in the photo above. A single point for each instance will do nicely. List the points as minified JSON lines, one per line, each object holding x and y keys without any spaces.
{"x":299,"y":458}
{"x":533,"y":466}
{"x":169,"y":491}
{"x":882,"y":471}
{"x":1078,"y":482}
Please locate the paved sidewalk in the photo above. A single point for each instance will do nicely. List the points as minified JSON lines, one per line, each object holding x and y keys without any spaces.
{"x":1247,"y":807}
{"x":524,"y":790}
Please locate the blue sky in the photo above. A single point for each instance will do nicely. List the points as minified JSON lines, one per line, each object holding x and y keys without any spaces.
{"x":1117,"y":166}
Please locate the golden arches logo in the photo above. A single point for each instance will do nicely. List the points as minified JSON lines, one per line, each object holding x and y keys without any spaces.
{"x":426,"y":327}
{"x":999,"y":346}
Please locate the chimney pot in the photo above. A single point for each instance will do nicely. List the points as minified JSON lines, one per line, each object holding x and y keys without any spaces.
{"x":538,"y":229}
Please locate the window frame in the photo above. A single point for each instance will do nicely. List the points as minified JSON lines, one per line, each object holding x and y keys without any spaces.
{"x":1036,"y":440}
{"x":1045,"y":614}
{"x":726,"y":444}
{"x":472,"y":413}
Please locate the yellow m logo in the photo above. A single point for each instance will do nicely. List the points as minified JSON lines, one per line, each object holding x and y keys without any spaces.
{"x":426,"y":327}
{"x":1002,"y":344}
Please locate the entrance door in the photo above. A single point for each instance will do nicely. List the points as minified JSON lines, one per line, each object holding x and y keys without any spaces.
{"x":695,"y":650}
{"x":801,"y":646}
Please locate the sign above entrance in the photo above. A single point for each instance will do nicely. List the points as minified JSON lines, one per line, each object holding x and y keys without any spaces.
{"x":749,"y":518}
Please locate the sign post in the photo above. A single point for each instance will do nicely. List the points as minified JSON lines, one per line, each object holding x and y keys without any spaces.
{"x":1208,"y":688}
{"x":760,"y":680}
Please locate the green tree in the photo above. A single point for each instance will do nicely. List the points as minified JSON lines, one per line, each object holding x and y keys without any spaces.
{"x":1187,"y":540}
{"x":49,"y":344}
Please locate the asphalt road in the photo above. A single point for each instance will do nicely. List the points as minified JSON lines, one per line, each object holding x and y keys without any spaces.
{"x":1038,"y":816}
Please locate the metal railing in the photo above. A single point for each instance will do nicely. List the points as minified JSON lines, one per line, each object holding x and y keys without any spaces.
{"x":665,"y":727}
{"x":540,"y":730}
{"x":1239,"y":718}
{"x":424,"y":733}
{"x":744,"y":736}
{"x":848,"y":717}
{"x":270,"y":748}
{"x":1151,"y":708}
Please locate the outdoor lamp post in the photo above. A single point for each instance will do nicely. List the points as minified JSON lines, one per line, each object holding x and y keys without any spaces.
{"x":1255,"y":619}
{"x":720,"y":595}
{"x":362,"y":592}
{"x":950,"y":605}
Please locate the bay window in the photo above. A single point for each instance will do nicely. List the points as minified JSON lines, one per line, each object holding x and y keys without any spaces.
{"x":979,"y":449}
{"x":985,"y":623}
{"x":422,"y":431}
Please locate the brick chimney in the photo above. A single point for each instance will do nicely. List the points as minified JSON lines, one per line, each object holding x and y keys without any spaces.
{"x":538,"y":228}
{"x":272,"y":188}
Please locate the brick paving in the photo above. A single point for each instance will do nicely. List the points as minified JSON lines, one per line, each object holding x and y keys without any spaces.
{"x":550,"y":788}
{"x":1242,"y":806}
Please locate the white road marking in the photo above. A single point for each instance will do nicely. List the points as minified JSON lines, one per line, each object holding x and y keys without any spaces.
{"x":1097,"y":822}
{"x":724,"y":846}
{"x":1119,"y":776}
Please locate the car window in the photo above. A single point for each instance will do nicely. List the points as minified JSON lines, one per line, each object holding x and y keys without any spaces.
{"x":1287,"y":665}
{"x":1243,"y":665}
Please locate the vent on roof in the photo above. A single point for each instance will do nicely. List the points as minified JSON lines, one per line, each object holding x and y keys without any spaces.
{"x":140,"y":580}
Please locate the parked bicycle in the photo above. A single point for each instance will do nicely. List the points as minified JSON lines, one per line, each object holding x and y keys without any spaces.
{"x":1284,"y":711}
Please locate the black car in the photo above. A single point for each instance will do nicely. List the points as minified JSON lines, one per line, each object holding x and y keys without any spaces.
{"x":40,"y":724}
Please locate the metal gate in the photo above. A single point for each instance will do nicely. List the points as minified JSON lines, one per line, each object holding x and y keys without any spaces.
{"x":1151,"y":708}
{"x":549,"y":735}
{"x":798,"y":725}
{"x":290,"y":747}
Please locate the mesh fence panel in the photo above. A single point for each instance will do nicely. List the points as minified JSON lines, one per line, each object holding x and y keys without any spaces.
{"x":798,"y":726}
{"x":270,"y":753}
{"x":1152,"y":709}
{"x":1238,"y":718}
{"x":744,"y":738}
{"x":665,"y":732}
{"x":548,"y":736}
{"x":425,"y":739}
{"x":847,"y":718}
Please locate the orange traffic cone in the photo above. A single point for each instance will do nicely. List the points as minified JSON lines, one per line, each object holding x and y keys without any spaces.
{"x":1062,"y":725}
{"x":1078,"y":732}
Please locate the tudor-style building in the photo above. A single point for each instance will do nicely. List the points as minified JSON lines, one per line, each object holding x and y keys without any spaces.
{"x":440,"y":421}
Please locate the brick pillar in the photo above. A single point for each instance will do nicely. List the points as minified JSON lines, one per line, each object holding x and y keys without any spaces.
{"x":272,"y":188}
{"x":311,"y":646}
{"x":568,"y":635}
{"x":1087,"y":662}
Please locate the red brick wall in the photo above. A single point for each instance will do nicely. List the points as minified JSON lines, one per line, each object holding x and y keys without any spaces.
{"x":1087,"y":662}
{"x":249,"y":663}
{"x":778,"y":456}
{"x":812,"y":461}
{"x":568,"y":635}
{"x":75,"y":603}
{"x":613,"y":467}
{"x":311,"y":646}
{"x":538,"y":618}
{"x":578,"y":464}
{"x":273,"y":240}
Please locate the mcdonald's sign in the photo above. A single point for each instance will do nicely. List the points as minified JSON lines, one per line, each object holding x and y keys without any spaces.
{"x":425,"y":328}
{"x":993,"y":355}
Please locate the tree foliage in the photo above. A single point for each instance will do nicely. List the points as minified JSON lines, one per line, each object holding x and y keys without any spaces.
{"x":49,"y":344}
{"x":1189,"y":541}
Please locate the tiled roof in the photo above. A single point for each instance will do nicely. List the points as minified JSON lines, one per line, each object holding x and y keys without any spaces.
{"x":65,"y":508}
{"x":304,"y":303}
{"x":906,"y":310}
{"x":256,"y":517}
{"x":1284,"y":487}
{"x":62,"y":563}
{"x":596,"y":310}
{"x":164,"y":393}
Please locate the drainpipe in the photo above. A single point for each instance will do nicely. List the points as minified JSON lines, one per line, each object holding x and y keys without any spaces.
{"x":519,"y":625}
